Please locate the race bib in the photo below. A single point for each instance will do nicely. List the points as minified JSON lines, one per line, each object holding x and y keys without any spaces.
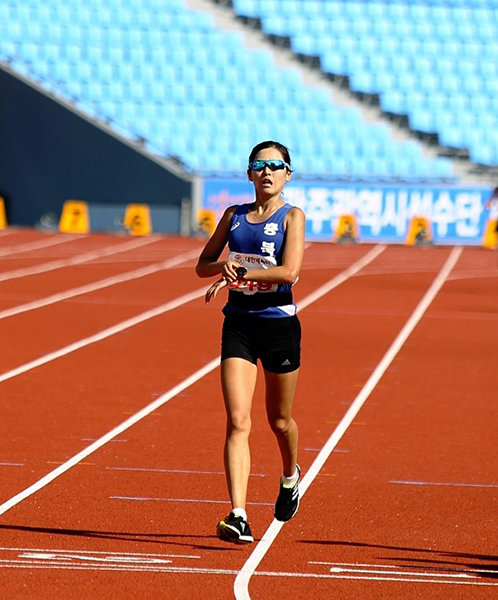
{"x":253,"y":261}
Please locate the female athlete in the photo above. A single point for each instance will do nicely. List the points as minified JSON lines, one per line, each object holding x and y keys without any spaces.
{"x":266,"y":243}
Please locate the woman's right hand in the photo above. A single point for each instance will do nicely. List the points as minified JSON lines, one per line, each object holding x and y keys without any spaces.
{"x":229,"y":271}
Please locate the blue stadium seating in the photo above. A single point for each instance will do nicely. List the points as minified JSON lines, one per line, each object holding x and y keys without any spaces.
{"x":162,"y":73}
{"x":394,"y":48}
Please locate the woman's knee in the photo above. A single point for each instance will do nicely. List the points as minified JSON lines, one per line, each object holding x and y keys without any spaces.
{"x":281,"y":424}
{"x":239,"y":423}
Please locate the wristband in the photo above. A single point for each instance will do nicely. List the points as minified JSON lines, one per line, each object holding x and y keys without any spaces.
{"x":241,"y":271}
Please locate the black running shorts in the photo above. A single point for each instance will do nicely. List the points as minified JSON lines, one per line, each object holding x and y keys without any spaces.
{"x":276,"y":342}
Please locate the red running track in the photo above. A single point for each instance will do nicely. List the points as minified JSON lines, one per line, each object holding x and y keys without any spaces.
{"x":112,"y":426}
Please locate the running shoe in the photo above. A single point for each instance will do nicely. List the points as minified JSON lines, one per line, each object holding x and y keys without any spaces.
{"x":234,"y":529}
{"x":288,"y":500}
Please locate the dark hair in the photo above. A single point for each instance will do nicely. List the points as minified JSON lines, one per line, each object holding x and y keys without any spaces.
{"x":270,"y":144}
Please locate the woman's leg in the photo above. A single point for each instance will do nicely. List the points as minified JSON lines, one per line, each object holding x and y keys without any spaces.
{"x":238,"y":380}
{"x":280,"y":391}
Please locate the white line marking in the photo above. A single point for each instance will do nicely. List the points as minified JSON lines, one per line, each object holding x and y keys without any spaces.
{"x":142,"y":569}
{"x":150,"y":408}
{"x":374,"y":578}
{"x":341,"y":277}
{"x":68,"y":557}
{"x":38,"y":244}
{"x":180,"y":471}
{"x":98,"y":285}
{"x":147,"y":499}
{"x":107,"y":553}
{"x":414,"y":569}
{"x":76,"y":260}
{"x":105,"y":333}
{"x":193,"y":500}
{"x":394,"y":572}
{"x":114,"y":441}
{"x":61,"y":469}
{"x":152,"y":567}
{"x":449,"y":484}
{"x":241,"y":583}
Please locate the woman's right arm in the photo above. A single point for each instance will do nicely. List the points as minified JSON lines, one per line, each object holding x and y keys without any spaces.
{"x":208,"y":264}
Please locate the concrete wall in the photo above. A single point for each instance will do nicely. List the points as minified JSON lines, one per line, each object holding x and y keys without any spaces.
{"x":49,"y":154}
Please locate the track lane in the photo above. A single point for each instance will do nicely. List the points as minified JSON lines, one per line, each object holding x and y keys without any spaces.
{"x":82,"y":250}
{"x":241,"y":586}
{"x":73,"y":322}
{"x":215,"y":394}
{"x":40,"y":374}
{"x":30,"y":289}
{"x":97,"y":285}
{"x":119,"y":296}
{"x":165,"y":524}
{"x":364,"y":524}
{"x":36,"y":244}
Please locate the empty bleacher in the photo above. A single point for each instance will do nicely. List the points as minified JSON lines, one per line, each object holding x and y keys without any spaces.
{"x":434,"y":61}
{"x":165,"y":75}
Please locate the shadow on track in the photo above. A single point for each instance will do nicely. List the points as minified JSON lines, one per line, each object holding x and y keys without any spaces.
{"x":175,"y":539}
{"x":482,"y":565}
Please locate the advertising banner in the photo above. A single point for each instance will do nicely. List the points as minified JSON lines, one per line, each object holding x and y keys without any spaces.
{"x":382,"y":212}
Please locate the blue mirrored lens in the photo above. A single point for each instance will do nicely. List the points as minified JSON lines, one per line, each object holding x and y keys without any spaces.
{"x":273,"y":165}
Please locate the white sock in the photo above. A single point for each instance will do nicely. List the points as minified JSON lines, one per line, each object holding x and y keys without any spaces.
{"x":289,"y":482}
{"x":240,"y":512}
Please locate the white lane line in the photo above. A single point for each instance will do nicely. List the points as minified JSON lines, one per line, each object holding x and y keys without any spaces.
{"x":38,"y":485}
{"x":105,"y":333}
{"x":205,"y":370}
{"x":73,"y":561}
{"x":98,"y":285}
{"x":241,"y":584}
{"x":341,"y":277}
{"x":415,"y":570}
{"x":177,"y":471}
{"x":184,"y":500}
{"x":76,"y":260}
{"x":401,"y":573}
{"x":375,"y":578}
{"x":39,"y":244}
{"x":446,"y":484}
{"x":87,"y":553}
{"x":130,"y":568}
{"x":231,"y":572}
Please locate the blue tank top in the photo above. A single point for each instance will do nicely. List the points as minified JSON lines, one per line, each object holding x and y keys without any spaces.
{"x":258,"y":246}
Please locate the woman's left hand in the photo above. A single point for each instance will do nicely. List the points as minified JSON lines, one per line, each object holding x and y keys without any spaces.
{"x":214,"y":289}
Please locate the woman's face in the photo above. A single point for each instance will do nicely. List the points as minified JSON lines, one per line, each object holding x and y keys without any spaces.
{"x":266,"y":181}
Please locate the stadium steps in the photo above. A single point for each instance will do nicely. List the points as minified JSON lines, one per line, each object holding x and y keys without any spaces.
{"x":465,"y":169}
{"x":55,"y":74}
{"x":312,"y":75}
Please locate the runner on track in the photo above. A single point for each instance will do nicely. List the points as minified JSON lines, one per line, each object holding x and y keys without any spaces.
{"x":266,"y":243}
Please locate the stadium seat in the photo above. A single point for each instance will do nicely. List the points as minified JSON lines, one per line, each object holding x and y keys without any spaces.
{"x":178,"y":64}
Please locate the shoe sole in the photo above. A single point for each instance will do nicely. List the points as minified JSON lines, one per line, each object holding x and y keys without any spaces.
{"x":228,"y":534}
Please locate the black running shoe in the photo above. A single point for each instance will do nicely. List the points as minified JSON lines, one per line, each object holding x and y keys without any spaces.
{"x":234,"y":529}
{"x":288,"y":500}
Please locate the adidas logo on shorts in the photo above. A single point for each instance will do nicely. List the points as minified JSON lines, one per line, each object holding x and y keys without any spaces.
{"x":286,"y":363}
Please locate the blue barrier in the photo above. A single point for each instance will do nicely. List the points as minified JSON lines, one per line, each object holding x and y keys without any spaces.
{"x":383,"y":212}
